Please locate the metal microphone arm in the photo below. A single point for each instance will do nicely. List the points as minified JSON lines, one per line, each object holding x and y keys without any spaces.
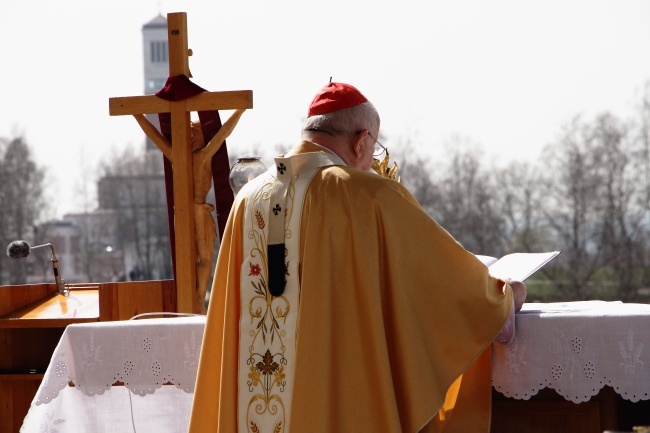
{"x":55,"y":265}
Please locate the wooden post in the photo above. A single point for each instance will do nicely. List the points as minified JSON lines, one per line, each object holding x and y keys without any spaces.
{"x":182,"y":169}
{"x":181,"y":148}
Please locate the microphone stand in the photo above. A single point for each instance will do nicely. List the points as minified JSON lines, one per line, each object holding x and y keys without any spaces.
{"x":55,"y":265}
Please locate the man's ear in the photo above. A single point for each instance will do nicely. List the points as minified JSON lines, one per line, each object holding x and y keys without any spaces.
{"x":356,"y":143}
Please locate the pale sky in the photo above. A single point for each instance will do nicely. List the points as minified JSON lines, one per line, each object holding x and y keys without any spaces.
{"x":505,"y":74}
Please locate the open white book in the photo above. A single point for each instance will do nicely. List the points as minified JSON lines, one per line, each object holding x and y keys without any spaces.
{"x":517,"y":266}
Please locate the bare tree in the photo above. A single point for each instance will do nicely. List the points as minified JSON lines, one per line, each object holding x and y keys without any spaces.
{"x":416,"y":175}
{"x":575,"y":190}
{"x":469,"y":203}
{"x":133,"y":189}
{"x":21,"y":195}
{"x":461,"y":194}
{"x":622,"y":222}
{"x":521,"y":200}
{"x":643,"y":156}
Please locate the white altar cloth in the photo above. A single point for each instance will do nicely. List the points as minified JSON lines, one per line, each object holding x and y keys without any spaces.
{"x":155,"y":359}
{"x":576,"y":348}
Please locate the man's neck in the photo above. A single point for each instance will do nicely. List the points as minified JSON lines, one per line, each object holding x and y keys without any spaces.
{"x":315,"y":147}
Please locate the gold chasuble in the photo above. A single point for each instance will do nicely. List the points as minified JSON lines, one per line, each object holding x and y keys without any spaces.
{"x":384,"y":324}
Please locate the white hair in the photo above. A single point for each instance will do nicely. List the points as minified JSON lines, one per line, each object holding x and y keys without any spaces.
{"x":347,"y":121}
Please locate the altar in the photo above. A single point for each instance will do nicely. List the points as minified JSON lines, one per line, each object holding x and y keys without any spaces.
{"x":138,"y":375}
{"x":129,"y":375}
{"x":576,"y":348}
{"x":574,"y":366}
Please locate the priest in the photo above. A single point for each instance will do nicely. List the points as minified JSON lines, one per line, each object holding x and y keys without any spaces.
{"x":339,"y":305}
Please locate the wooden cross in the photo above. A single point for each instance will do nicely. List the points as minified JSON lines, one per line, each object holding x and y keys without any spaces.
{"x":181,"y":148}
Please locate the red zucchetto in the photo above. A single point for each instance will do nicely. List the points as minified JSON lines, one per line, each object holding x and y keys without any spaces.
{"x":333,"y":97}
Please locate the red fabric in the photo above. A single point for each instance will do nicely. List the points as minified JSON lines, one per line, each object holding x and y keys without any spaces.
{"x":223,"y":194}
{"x":333,"y":97}
{"x":176,"y":89}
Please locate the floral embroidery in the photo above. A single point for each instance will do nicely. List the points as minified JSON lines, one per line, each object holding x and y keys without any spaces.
{"x":576,"y":344}
{"x":267,"y":365}
{"x":192,"y":349}
{"x":254,"y":377}
{"x":255,"y":270}
{"x":60,"y":369}
{"x":268,"y":323}
{"x":91,"y":354}
{"x":279,"y":377}
{"x":556,"y":371}
{"x":266,"y":361}
{"x":51,"y":425}
{"x":630,"y":354}
{"x":515,"y":353}
{"x":571,"y":351}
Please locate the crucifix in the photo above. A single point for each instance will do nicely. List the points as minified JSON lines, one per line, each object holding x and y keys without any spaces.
{"x":180,"y":153}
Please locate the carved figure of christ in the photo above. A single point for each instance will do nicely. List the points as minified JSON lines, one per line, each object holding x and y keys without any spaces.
{"x":204,"y":228}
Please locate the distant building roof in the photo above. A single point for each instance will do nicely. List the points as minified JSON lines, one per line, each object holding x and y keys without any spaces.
{"x":158,"y":22}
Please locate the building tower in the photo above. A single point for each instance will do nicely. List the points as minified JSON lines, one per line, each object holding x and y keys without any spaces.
{"x":156,"y":70}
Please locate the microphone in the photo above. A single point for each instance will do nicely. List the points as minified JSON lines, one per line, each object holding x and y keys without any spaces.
{"x":21,"y":249}
{"x":18,"y":249}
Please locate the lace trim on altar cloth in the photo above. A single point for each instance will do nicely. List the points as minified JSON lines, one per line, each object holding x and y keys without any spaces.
{"x":140,"y":357}
{"x":166,"y":411}
{"x":577,"y":352}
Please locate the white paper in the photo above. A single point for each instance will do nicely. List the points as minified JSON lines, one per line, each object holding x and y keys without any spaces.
{"x":517,"y":266}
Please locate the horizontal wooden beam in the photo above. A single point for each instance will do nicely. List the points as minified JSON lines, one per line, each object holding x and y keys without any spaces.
{"x":149,"y":104}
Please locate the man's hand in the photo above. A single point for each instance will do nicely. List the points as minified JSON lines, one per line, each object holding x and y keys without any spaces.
{"x":519,"y":294}
{"x":507,"y":333}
